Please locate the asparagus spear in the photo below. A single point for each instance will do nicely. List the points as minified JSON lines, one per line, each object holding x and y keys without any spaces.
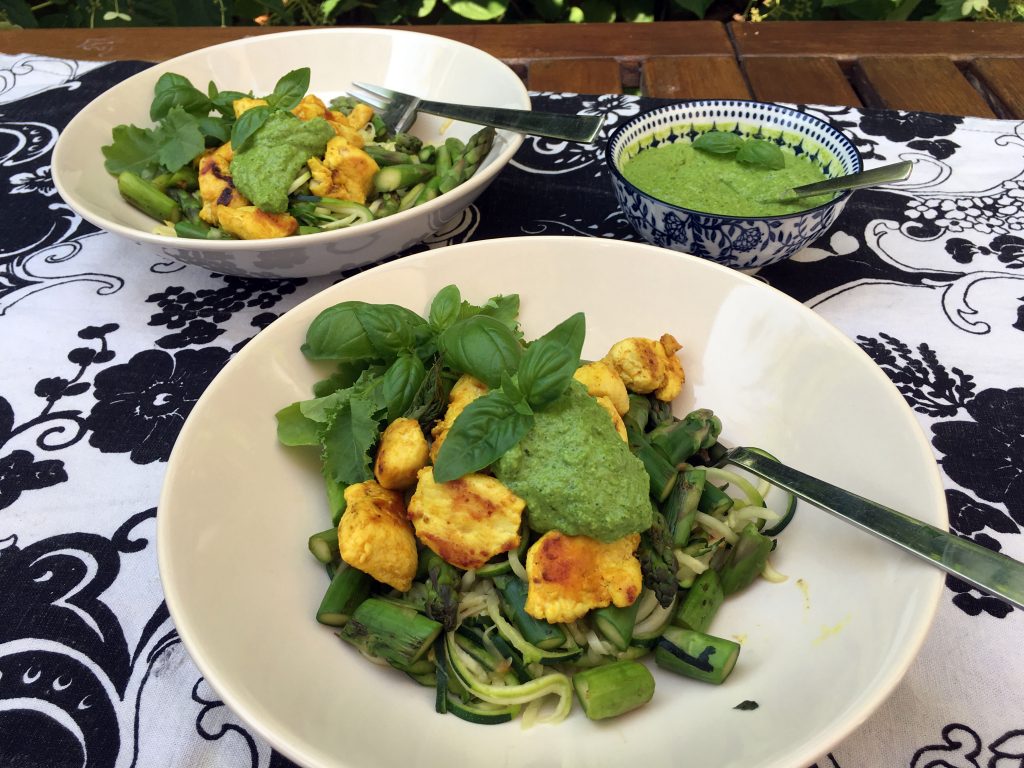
{"x":714,"y":501}
{"x":701,"y":603}
{"x":393,"y":177}
{"x":384,"y":157}
{"x":657,"y":560}
{"x":613,"y":689}
{"x":616,"y":624}
{"x":324,"y":545}
{"x":513,"y":600}
{"x":697,"y":655}
{"x":335,"y":500}
{"x":147,"y":197}
{"x":349,"y":588}
{"x":745,"y":560}
{"x":442,"y":582}
{"x":398,"y":635}
{"x":682,"y":439}
{"x":681,"y":505}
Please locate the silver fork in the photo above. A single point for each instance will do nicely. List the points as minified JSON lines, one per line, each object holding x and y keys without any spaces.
{"x":993,"y":572}
{"x":398,"y":111}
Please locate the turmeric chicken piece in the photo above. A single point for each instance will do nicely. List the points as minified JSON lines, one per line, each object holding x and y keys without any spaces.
{"x":244,"y":104}
{"x":601,"y":380}
{"x":376,"y":537}
{"x":465,"y":391}
{"x":250,"y":223}
{"x":311,"y":106}
{"x":346,"y":172}
{"x":646,"y":365}
{"x":617,"y":422}
{"x":466,"y":521}
{"x":567,"y":576}
{"x":216,"y":189}
{"x":403,"y":452}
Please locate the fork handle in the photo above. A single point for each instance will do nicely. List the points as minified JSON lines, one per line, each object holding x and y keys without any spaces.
{"x":990,"y":571}
{"x":581,"y":128}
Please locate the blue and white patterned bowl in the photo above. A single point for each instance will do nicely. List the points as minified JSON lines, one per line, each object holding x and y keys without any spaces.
{"x":736,"y":241}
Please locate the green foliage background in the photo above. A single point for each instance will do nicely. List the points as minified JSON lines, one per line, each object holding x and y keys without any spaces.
{"x":115,"y":13}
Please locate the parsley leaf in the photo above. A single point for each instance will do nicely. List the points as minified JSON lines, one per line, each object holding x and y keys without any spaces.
{"x":180,"y":139}
{"x":134,"y":149}
{"x":351,"y":433}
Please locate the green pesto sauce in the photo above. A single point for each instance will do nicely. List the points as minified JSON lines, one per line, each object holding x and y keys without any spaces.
{"x":681,"y":175}
{"x":275,"y":155}
{"x":576,"y":474}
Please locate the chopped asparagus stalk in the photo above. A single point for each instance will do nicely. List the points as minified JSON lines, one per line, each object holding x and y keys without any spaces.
{"x":535,"y":631}
{"x":681,"y":505}
{"x":613,"y":689}
{"x":396,"y":634}
{"x":616,"y":624}
{"x":145,"y":196}
{"x":745,"y":559}
{"x":394,"y":177}
{"x":697,"y":655}
{"x":442,"y":582}
{"x":324,"y":545}
{"x":701,"y":603}
{"x":349,"y":588}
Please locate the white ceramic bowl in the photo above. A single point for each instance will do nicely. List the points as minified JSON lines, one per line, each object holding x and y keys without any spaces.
{"x":425,"y":65}
{"x":820,"y":651}
{"x":743,"y":242}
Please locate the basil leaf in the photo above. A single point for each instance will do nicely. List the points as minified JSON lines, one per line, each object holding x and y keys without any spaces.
{"x":224,"y":101}
{"x":337,"y":334}
{"x":347,"y":440}
{"x":173,"y":90}
{"x":761,"y":154}
{"x":295,"y":429}
{"x":400,"y":384}
{"x":444,"y":309}
{"x":215,"y":127}
{"x":718,"y":142}
{"x":290,"y":89}
{"x":390,"y":328}
{"x":549,"y":362}
{"x":481,"y":434}
{"x":246,"y":125}
{"x":482,"y":347}
{"x":504,"y":309}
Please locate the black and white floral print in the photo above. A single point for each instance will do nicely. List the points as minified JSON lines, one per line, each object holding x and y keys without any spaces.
{"x":105,"y":352}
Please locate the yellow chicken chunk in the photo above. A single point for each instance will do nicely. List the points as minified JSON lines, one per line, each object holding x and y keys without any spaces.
{"x":403,"y":452}
{"x":617,"y":422}
{"x":674,"y":375}
{"x":216,"y":189}
{"x":466,"y":521}
{"x":571,"y":575}
{"x":311,"y":106}
{"x":346,"y":172}
{"x":360,"y":115}
{"x":601,"y":380}
{"x":244,"y":104}
{"x":640,"y":363}
{"x":376,"y":537}
{"x":463,"y":392}
{"x":250,"y":223}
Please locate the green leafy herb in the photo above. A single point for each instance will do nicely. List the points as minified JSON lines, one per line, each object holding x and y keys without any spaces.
{"x":133,"y":149}
{"x":549,"y":362}
{"x":337,"y":334}
{"x":173,"y":90}
{"x":487,"y":428}
{"x":718,"y":143}
{"x":350,"y":434}
{"x":444,"y":309}
{"x":761,"y":154}
{"x":246,"y":125}
{"x":481,"y":346}
{"x":224,"y":101}
{"x":391,"y":329}
{"x":290,"y":89}
{"x":504,"y":309}
{"x":180,"y":139}
{"x":401,"y":383}
{"x":295,"y":429}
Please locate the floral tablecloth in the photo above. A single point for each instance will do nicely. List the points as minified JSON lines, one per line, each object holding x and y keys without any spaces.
{"x":104,"y":350}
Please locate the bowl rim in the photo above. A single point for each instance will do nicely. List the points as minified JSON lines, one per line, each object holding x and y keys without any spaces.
{"x":841,"y":198}
{"x":484,"y":174}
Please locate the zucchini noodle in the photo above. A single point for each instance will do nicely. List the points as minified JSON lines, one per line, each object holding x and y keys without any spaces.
{"x":715,"y":526}
{"x":517,"y":566}
{"x":723,"y":475}
{"x":770,"y":574}
{"x":689,"y":562}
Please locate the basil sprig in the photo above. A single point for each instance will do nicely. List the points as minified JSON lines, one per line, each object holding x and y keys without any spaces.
{"x":287,"y":94}
{"x":757,"y":153}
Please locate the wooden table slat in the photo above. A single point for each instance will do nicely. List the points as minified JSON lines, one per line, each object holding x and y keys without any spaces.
{"x":853,"y":39}
{"x":927,"y":84}
{"x":576,"y":75}
{"x":799,"y":79}
{"x":686,"y":77}
{"x":1005,"y":78}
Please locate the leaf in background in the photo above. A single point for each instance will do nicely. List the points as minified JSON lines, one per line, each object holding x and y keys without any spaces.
{"x":337,"y":334}
{"x":347,"y":441}
{"x":425,"y":8}
{"x":400,"y":384}
{"x":761,"y":154}
{"x":444,"y":309}
{"x":478,"y":10}
{"x":598,"y":10}
{"x":549,"y":362}
{"x":637,"y":10}
{"x":718,"y":142}
{"x":133,"y":149}
{"x":295,"y":429}
{"x":482,"y":347}
{"x":550,"y":10}
{"x":246,"y":125}
{"x":290,"y":89}
{"x":487,"y":428}
{"x":696,"y":7}
{"x":19,"y":12}
{"x":173,"y":90}
{"x":180,"y":139}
